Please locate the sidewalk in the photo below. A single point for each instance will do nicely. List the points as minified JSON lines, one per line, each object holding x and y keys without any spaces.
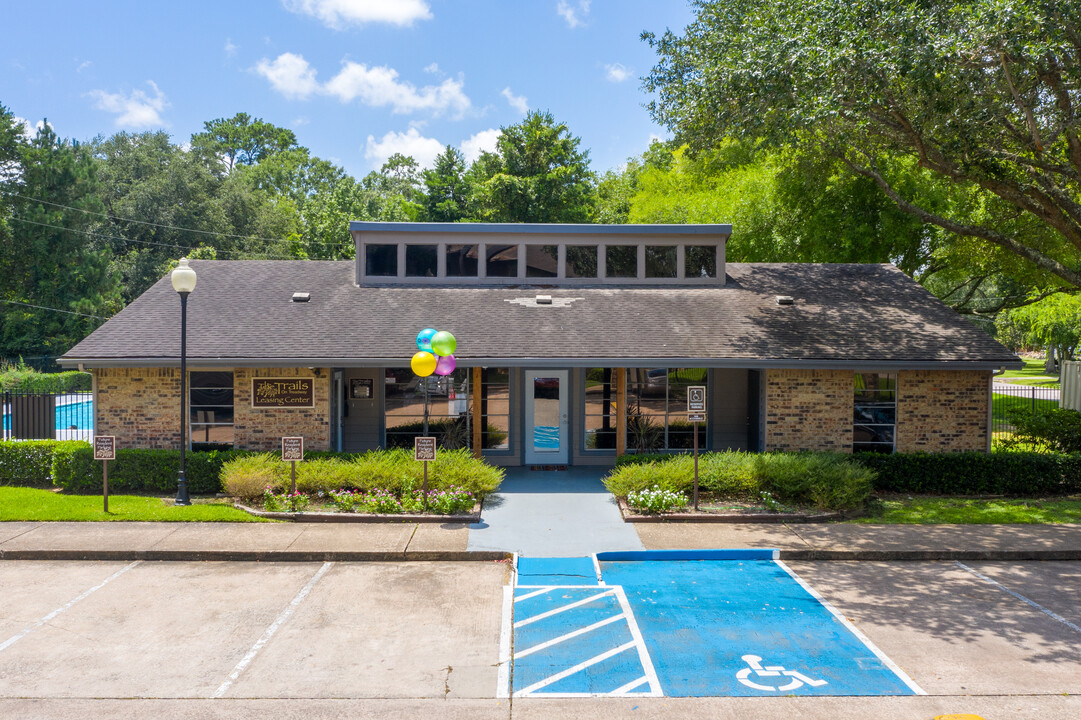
{"x":448,"y":541}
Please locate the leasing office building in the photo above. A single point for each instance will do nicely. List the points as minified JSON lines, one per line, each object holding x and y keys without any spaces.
{"x":575,"y":343}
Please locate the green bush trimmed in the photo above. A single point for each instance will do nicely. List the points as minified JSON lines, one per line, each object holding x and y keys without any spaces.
{"x":24,"y":379}
{"x":975,"y":473}
{"x":29,"y":463}
{"x":139,"y":470}
{"x":824,"y":480}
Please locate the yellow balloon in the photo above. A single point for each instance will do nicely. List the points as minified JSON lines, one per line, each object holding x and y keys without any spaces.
{"x":423,"y":363}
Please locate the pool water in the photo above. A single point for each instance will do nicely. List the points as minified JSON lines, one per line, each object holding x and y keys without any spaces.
{"x":79,"y":414}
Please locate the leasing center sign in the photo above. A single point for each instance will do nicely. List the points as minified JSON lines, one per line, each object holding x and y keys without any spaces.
{"x":291,"y":392}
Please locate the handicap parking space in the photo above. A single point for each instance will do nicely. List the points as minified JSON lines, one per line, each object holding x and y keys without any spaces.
{"x":687,"y":624}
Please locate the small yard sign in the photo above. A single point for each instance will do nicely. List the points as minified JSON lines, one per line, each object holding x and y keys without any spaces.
{"x":293,"y":451}
{"x":696,"y":409}
{"x":424,"y":451}
{"x":105,"y":450}
{"x":696,"y":399}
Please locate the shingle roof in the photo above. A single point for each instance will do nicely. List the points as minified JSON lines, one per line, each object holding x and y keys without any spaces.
{"x":241,"y":313}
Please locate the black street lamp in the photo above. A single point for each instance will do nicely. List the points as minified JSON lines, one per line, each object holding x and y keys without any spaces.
{"x":183,"y":278}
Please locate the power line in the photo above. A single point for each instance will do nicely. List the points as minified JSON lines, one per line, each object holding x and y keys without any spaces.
{"x":42,"y":307}
{"x":160,"y":225}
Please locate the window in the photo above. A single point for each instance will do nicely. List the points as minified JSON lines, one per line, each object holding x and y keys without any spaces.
{"x":502,"y":260}
{"x":462,"y":260}
{"x":621,"y":261}
{"x":210,"y":410}
{"x":700,"y":261}
{"x":495,"y":408}
{"x":600,"y":410}
{"x":657,"y":409}
{"x":381,"y":260}
{"x":581,"y":261}
{"x":421,"y":260}
{"x":874,"y":412}
{"x":448,"y":408}
{"x":541,"y":261}
{"x":660,"y":261}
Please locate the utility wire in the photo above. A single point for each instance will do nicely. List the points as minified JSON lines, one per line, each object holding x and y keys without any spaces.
{"x":160,"y":225}
{"x":42,"y":307}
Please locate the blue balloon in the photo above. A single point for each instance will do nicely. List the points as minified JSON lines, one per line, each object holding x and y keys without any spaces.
{"x":424,"y":339}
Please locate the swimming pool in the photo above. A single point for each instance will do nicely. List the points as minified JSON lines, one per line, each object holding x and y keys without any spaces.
{"x":71,"y":415}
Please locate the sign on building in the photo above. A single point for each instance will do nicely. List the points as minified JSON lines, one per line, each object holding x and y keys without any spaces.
{"x":294,"y":392}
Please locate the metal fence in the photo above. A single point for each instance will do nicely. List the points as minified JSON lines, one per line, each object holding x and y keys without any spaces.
{"x":48,"y":416}
{"x":1006,"y":397}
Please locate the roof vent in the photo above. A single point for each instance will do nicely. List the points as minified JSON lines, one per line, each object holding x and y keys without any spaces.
{"x":544,"y":299}
{"x":785,"y":300}
{"x":301,"y":297}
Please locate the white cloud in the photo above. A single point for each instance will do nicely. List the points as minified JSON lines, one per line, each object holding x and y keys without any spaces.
{"x":30,"y":129}
{"x":433,"y":68}
{"x":230,"y":48}
{"x":301,"y":121}
{"x":617,"y":72}
{"x":339,"y":13}
{"x":289,"y":74}
{"x":422,"y":149}
{"x":485,"y":140}
{"x":574,"y":15}
{"x":518,"y":102}
{"x":380,"y":87}
{"x":83,"y":65}
{"x":136,"y":110}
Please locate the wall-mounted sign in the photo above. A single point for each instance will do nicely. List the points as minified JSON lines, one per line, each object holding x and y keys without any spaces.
{"x":361,"y":388}
{"x":104,"y":447}
{"x":292,"y":449}
{"x":294,"y":392}
{"x":696,"y":399}
{"x":424,"y":449}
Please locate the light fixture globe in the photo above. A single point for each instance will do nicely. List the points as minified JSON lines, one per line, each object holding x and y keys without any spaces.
{"x":183,"y":277}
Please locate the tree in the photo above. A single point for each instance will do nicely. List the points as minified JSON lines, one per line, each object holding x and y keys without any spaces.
{"x":1053,"y":323}
{"x":537,"y":175}
{"x":446,"y":190}
{"x":979,"y":96}
{"x":241,"y":140}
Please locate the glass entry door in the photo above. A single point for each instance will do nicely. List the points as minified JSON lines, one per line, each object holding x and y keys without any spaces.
{"x":546,"y":426}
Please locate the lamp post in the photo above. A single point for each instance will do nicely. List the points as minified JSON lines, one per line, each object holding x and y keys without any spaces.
{"x":183,"y":278}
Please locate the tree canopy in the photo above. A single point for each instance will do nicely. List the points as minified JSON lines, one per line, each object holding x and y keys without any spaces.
{"x":975,"y":100}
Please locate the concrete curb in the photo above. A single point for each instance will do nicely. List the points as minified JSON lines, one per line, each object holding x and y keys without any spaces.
{"x":259,"y":556}
{"x":629,"y":516}
{"x":327,"y":517}
{"x":930,"y":555}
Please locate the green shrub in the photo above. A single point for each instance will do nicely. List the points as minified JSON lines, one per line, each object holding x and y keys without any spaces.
{"x":20,"y":378}
{"x":29,"y":463}
{"x":139,"y":470}
{"x":656,"y":500}
{"x":248,"y":477}
{"x":1054,"y":429}
{"x":976,"y":473}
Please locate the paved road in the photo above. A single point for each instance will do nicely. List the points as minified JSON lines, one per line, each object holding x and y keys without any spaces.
{"x":180,"y":639}
{"x":1025,"y":391}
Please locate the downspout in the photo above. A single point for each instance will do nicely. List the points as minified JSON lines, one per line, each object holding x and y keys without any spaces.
{"x":990,"y":404}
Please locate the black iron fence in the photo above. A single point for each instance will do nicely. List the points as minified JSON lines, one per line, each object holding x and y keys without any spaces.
{"x":48,"y":416}
{"x":1007,"y":397}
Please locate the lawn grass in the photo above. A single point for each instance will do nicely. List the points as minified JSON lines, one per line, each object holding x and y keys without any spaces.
{"x":18,"y":503}
{"x":1033,"y":374}
{"x":925,"y":510}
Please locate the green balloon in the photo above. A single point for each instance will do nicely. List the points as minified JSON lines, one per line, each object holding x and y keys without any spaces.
{"x":443,"y":343}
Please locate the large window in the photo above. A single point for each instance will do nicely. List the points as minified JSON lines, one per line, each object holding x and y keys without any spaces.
{"x":657,"y":409}
{"x":381,"y":260}
{"x":210,"y":410}
{"x":874,"y":412}
{"x":660,"y":261}
{"x":700,"y":261}
{"x":621,"y":261}
{"x":502,"y":261}
{"x":600,"y":410}
{"x":450,"y":408}
{"x":462,"y":260}
{"x":541,"y":261}
{"x":421,"y":260}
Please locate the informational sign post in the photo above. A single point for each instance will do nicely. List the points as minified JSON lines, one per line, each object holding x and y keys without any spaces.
{"x":105,"y":450}
{"x":696,"y":413}
{"x":424,"y":451}
{"x":293,"y":452}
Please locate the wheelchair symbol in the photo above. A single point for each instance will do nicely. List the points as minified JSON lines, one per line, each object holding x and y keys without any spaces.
{"x":777,"y":671}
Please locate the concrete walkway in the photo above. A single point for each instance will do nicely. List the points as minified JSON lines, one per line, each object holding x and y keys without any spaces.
{"x":565,"y":513}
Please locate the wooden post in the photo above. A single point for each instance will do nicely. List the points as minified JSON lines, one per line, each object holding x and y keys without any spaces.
{"x":105,"y":483}
{"x":621,"y":411}
{"x":478,"y":419}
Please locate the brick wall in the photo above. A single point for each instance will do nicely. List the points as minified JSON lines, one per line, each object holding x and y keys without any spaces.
{"x":141,"y":407}
{"x":263,"y":428}
{"x":809,"y":409}
{"x":942,"y":410}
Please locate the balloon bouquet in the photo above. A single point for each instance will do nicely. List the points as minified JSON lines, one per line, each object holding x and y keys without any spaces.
{"x":435,"y":354}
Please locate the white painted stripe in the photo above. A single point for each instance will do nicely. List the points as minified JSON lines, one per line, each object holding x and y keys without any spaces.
{"x":572,"y":670}
{"x":855,"y":631}
{"x":568,"y":636}
{"x":514,"y":569}
{"x":1049,"y":613}
{"x":597,"y":569}
{"x":269,"y":632}
{"x":533,"y":594}
{"x":643,"y":653}
{"x":629,"y":686}
{"x":561,"y":609}
{"x":38,"y":623}
{"x":502,"y":688}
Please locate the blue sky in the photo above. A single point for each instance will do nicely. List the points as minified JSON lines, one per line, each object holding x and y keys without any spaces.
{"x":355,"y":79}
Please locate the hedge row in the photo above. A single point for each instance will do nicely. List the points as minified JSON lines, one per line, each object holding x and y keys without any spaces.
{"x":975,"y":473}
{"x":29,"y":463}
{"x":137,"y":471}
{"x":27,"y":380}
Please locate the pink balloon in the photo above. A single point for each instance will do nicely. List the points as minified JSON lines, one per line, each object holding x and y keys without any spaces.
{"x":445,"y":365}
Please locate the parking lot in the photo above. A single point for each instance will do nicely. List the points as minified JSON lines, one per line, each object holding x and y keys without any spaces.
{"x":973,"y":636}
